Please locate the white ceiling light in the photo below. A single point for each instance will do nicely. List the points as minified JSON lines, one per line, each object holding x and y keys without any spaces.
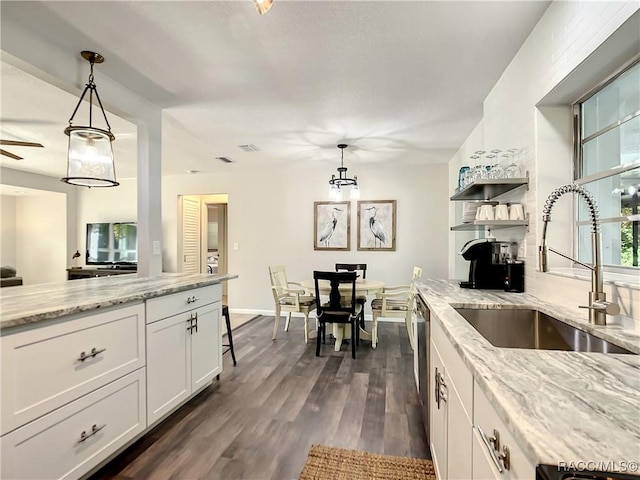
{"x":90,"y":157}
{"x":335,"y":184}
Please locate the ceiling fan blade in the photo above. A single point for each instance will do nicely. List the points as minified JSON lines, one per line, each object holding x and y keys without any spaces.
{"x":16,"y":143}
{"x":10,"y":155}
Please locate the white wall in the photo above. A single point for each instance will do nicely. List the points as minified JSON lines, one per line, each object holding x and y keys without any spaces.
{"x":41,"y":223}
{"x":270,"y":217}
{"x":8,"y":230}
{"x":568,"y":52}
{"x":45,"y":226}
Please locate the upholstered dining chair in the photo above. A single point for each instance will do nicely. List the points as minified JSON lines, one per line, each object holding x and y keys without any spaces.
{"x":289,"y":300}
{"x":342,"y":307}
{"x":395,"y":302}
{"x":361,"y":269}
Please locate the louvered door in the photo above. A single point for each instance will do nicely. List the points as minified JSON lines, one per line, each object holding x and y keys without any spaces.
{"x":190,"y":254}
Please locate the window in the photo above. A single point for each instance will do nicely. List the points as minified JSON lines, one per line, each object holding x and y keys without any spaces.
{"x":608,"y":165}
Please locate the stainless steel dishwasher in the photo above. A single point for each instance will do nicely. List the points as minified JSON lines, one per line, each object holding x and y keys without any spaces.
{"x":424,"y":338}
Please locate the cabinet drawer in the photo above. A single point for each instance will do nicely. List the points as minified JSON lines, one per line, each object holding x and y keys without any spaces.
{"x":51,"y":446}
{"x":42,"y":368}
{"x":175,"y":303}
{"x":457,"y":371}
{"x":487,"y":418}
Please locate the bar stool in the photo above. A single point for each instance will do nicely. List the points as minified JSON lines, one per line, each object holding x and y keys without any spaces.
{"x":225,"y":314}
{"x":227,"y":320}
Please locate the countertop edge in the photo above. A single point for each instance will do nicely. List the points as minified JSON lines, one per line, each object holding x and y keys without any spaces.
{"x":137,"y":289}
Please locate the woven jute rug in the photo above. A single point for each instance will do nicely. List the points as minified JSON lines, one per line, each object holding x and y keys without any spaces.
{"x":328,"y":463}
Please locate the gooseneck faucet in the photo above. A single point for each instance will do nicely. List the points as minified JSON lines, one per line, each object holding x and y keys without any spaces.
{"x":598,"y":306}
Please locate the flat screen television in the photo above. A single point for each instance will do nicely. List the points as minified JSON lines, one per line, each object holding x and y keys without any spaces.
{"x":112,"y":244}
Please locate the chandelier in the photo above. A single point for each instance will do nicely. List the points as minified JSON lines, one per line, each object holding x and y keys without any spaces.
{"x":335,"y":184}
{"x":90,"y":157}
{"x":263,"y":6}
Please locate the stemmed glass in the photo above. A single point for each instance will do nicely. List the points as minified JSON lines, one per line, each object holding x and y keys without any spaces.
{"x":479,"y":171}
{"x":512,"y":170}
{"x":496,"y":170}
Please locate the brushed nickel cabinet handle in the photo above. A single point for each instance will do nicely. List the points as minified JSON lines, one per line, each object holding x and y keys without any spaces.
{"x":437,"y":388}
{"x":505,"y":457}
{"x":94,"y":429}
{"x":94,"y":351}
{"x":500,"y":459}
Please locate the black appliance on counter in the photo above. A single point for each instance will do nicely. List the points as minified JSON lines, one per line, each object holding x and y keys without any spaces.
{"x":514,"y":277}
{"x":492,"y":266}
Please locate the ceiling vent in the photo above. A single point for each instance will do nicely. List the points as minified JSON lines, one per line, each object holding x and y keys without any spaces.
{"x":249,"y":148}
{"x":225,"y":159}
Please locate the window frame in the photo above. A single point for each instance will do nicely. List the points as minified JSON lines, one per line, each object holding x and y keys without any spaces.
{"x":578,"y":143}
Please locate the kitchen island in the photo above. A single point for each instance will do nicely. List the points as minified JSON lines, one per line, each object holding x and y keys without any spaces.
{"x":562,"y":408}
{"x":91,"y":365}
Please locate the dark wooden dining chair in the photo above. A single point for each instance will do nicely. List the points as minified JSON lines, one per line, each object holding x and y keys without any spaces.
{"x":361,"y":269}
{"x":342,"y":307}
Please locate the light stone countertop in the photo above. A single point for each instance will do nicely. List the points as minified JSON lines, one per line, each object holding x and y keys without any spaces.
{"x":28,"y":304}
{"x":559,"y":406}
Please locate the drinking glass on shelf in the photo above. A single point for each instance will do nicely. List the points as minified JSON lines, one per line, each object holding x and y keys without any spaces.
{"x":512,"y":170}
{"x":463,"y":173}
{"x":479,"y":171}
{"x":496,"y":171}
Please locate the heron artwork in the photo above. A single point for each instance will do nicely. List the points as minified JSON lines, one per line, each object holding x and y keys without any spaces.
{"x":376,"y":228}
{"x":328,"y":228}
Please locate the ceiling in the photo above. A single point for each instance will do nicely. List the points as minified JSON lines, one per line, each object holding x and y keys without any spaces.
{"x":400,"y":82}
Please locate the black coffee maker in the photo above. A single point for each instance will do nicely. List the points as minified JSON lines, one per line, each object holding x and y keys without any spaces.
{"x":489,"y":259}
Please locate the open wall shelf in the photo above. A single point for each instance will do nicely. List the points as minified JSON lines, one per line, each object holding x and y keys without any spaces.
{"x":489,"y":224}
{"x":488,"y":188}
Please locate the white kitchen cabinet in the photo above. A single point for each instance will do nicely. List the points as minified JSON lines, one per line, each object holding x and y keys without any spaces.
{"x":450,"y":427}
{"x":438,"y":411}
{"x":184,"y":353}
{"x":71,"y":440}
{"x":459,"y":412}
{"x":459,"y":437}
{"x":75,"y":387}
{"x":503,"y":459}
{"x":45,"y":368}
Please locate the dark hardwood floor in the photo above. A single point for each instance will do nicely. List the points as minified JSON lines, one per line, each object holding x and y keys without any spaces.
{"x":260,"y":420}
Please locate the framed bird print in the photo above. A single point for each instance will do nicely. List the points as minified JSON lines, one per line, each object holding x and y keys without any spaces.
{"x":331,"y":225}
{"x":377,"y":225}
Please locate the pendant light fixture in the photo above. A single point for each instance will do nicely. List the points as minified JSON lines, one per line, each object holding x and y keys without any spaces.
{"x":90,"y":158}
{"x":263,"y":6}
{"x":335,"y":184}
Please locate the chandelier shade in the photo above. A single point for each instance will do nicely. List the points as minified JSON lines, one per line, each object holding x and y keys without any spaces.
{"x":263,"y":6}
{"x":90,"y":161}
{"x":336,"y":183}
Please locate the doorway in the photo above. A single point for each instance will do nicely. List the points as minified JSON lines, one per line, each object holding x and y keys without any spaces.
{"x":215,"y":240}
{"x":202,"y":242}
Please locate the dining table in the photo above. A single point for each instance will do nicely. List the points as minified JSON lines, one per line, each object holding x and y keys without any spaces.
{"x":364,"y":286}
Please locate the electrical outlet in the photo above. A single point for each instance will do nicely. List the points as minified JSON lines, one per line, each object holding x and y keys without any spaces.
{"x":156,"y":247}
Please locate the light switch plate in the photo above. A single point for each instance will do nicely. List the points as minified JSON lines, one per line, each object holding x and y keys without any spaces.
{"x":156,"y":247}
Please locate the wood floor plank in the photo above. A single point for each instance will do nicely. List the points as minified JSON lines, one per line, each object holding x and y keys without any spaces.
{"x":396,"y":435}
{"x":260,"y":420}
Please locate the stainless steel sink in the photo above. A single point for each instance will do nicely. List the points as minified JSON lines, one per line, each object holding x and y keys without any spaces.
{"x":512,"y":328}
